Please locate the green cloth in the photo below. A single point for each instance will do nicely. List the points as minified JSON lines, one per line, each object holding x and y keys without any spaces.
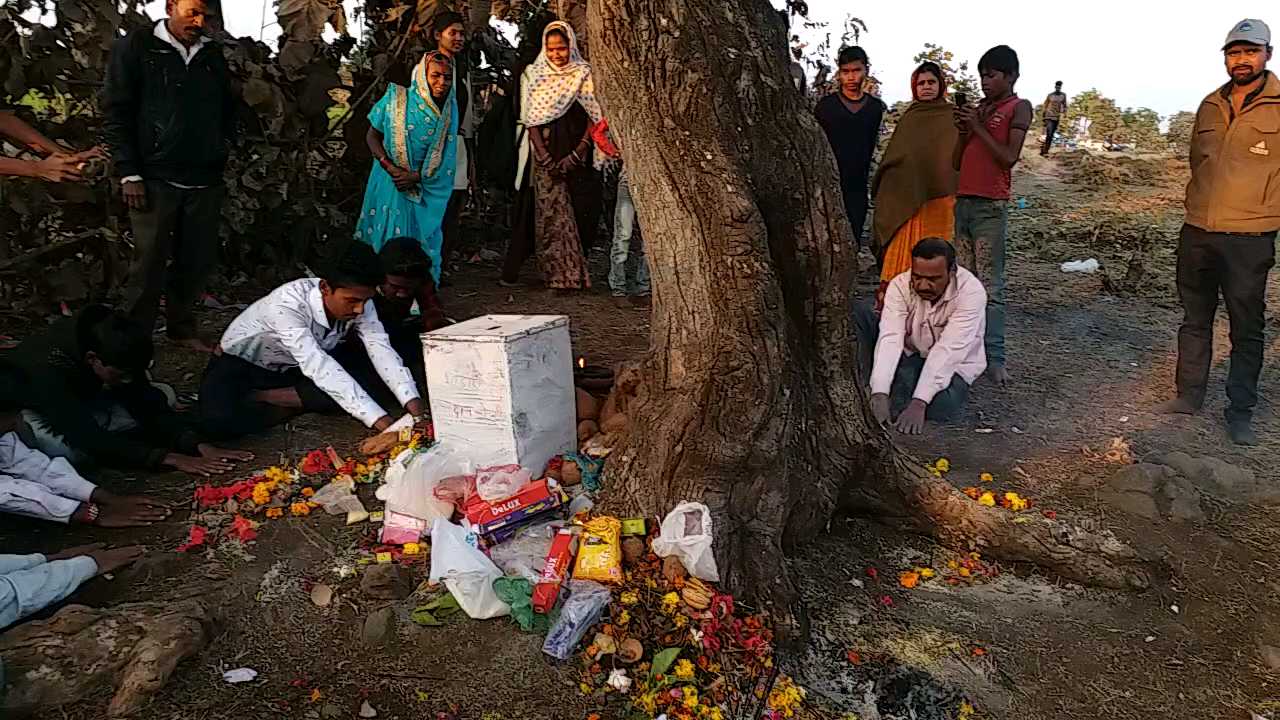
{"x":916,"y":167}
{"x":518,"y":593}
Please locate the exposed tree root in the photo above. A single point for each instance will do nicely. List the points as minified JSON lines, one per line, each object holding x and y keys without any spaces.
{"x":134,"y":648}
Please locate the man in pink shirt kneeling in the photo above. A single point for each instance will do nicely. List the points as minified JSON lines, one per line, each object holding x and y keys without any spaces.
{"x":928,"y":347}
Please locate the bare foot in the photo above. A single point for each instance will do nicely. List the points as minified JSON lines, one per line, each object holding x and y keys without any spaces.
{"x":1177,"y":406}
{"x":197,"y":344}
{"x":998,"y":375}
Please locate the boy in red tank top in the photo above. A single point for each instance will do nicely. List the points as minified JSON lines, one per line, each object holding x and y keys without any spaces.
{"x":991,"y":137}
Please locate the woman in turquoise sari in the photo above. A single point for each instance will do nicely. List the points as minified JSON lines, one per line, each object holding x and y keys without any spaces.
{"x":413,"y":136}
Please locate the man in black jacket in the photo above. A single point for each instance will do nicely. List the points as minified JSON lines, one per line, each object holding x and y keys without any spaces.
{"x":89,"y":399}
{"x":170,"y":121}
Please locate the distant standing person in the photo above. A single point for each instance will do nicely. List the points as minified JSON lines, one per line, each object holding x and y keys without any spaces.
{"x":451,"y":40}
{"x":991,"y":138}
{"x":1055,"y":106}
{"x":1228,"y":240}
{"x":170,"y":119}
{"x":851,"y":118}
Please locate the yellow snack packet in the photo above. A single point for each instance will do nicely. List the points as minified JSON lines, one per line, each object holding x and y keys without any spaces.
{"x":600,"y":551}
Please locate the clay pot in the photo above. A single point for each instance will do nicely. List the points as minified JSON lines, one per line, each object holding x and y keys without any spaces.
{"x":588,"y":406}
{"x":587,"y":429}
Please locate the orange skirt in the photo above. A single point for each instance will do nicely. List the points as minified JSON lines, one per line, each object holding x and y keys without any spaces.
{"x":936,"y":218}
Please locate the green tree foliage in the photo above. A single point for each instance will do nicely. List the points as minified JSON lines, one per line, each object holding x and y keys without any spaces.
{"x":1181,"y":126}
{"x":959,"y":79}
{"x":1104,"y":120}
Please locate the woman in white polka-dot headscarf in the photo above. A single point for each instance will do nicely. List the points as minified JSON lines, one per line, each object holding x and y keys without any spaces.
{"x":558,"y":108}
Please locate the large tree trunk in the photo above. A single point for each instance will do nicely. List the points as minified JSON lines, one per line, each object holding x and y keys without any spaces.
{"x":749,"y":400}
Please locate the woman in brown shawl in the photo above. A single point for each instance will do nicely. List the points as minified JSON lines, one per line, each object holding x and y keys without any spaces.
{"x":558,"y":108}
{"x":915,"y":187}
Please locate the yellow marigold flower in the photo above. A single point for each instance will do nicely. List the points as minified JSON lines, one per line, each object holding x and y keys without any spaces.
{"x":308,"y":492}
{"x":986,"y":477}
{"x":715,"y":714}
{"x":1016,"y":503}
{"x":987,"y":499}
{"x":926,"y":573}
{"x":684,"y":670}
{"x":670,"y":602}
{"x":942,"y":465}
{"x":690,"y":698}
{"x":681,"y":620}
{"x":629,"y":597}
{"x":624,"y":617}
{"x":277,"y":474}
{"x":299,"y":508}
{"x":585,"y":688}
{"x":275,"y":512}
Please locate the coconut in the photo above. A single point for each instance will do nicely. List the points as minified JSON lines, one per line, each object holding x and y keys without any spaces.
{"x":588,"y":406}
{"x":587,"y":429}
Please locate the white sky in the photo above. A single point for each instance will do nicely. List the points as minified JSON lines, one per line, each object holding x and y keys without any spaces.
{"x":1161,"y":55}
{"x":1142,"y":53}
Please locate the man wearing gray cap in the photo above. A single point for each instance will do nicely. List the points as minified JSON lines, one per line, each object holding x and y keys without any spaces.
{"x":1228,"y":240}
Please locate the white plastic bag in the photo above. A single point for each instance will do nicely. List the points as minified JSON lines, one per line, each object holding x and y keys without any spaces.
{"x":1081,"y":266}
{"x":686,"y":533}
{"x":467,"y":572}
{"x":411,"y":480}
{"x":501,"y":482}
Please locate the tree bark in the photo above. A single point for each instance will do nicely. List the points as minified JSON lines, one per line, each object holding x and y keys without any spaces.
{"x":748,"y":399}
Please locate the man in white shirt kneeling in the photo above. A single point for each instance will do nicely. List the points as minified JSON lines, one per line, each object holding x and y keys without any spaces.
{"x":292,"y":352}
{"x":928,"y":346}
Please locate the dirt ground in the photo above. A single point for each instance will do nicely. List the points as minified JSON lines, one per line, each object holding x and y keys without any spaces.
{"x":1088,"y":366}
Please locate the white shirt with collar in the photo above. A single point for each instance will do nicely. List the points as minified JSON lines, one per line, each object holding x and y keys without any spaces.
{"x":187,"y":54}
{"x":948,"y":334}
{"x":289,"y":328}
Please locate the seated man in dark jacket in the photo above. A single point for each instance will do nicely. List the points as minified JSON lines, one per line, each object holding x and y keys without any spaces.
{"x":90,"y":400}
{"x":170,"y":119}
{"x":408,"y":287}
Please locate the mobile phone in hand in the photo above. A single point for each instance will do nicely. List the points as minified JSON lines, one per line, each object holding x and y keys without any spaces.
{"x":962,"y":99}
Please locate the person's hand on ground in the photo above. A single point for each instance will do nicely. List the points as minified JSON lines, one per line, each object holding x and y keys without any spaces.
{"x":135,"y":195}
{"x":911,"y":421}
{"x":202,"y":466}
{"x":58,"y":168}
{"x":380,"y":443}
{"x":880,"y":408}
{"x":75,"y":551}
{"x":116,"y":558}
{"x":414,"y":408}
{"x":213,"y":452}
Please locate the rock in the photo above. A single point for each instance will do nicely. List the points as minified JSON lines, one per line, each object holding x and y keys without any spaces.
{"x":379,"y":628}
{"x":386,"y":582}
{"x":367,"y":711}
{"x":1133,"y":489}
{"x":588,"y":406}
{"x":1270,"y":655}
{"x":321,"y":595}
{"x":1151,"y":491}
{"x":1179,"y":500}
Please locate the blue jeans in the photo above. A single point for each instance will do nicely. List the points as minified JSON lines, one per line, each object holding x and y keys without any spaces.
{"x":981,"y":226}
{"x":624,"y":223}
{"x":944,"y":406}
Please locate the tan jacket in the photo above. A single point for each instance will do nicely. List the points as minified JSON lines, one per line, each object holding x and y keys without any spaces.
{"x":1235,"y":163}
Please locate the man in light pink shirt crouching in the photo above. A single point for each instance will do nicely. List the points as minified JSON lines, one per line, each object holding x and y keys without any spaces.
{"x":928,"y":346}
